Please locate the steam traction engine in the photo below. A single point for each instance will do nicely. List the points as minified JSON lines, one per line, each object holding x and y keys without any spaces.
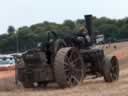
{"x":66,"y":61}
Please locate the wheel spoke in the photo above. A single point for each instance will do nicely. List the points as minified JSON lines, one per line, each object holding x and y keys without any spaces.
{"x":76,"y":70}
{"x":74,"y":61}
{"x":71,"y":56}
{"x":74,"y":80}
{"x":78,"y":74}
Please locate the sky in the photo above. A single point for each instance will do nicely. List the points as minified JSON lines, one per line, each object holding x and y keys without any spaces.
{"x":27,"y":12}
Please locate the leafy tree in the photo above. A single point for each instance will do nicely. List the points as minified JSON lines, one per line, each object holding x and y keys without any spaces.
{"x":124,"y":32}
{"x":68,"y":26}
{"x":109,"y":30}
{"x":11,"y":30}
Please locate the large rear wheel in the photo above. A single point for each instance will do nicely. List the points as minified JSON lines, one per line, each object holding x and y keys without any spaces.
{"x":68,"y":67}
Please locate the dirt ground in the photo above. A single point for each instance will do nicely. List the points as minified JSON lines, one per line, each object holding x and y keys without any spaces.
{"x":95,"y":87}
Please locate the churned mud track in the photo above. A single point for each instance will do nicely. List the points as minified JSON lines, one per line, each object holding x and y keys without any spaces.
{"x":95,"y":87}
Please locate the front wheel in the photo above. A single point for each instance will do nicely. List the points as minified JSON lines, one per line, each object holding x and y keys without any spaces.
{"x":111,"y":69}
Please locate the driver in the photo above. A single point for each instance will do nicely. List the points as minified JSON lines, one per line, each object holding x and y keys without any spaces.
{"x":84,"y":37}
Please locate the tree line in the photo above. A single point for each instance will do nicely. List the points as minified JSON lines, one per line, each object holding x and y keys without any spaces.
{"x":27,"y":37}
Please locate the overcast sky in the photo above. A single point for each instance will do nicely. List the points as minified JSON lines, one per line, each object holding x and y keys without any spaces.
{"x":27,"y":12}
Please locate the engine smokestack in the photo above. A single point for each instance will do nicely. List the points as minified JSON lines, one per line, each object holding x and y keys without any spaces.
{"x":89,"y":26}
